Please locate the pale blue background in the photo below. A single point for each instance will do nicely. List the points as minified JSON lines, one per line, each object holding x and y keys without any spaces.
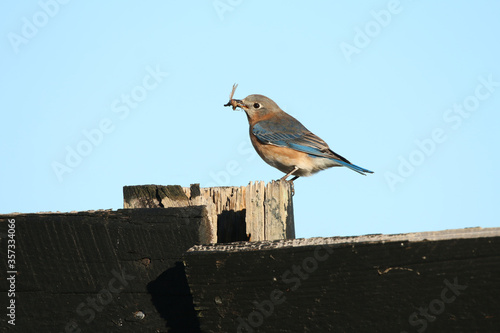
{"x":370,"y":109}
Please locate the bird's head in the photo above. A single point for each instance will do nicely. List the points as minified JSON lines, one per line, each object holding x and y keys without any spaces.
{"x":255,"y":105}
{"x":258,"y":105}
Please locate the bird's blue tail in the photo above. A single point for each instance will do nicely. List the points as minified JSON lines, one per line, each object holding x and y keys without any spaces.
{"x":353,"y":167}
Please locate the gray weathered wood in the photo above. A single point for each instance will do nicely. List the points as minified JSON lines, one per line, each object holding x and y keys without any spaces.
{"x":254,"y":212}
{"x":467,"y":233}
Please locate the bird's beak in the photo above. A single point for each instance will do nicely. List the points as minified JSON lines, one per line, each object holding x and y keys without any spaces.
{"x":235,"y":103}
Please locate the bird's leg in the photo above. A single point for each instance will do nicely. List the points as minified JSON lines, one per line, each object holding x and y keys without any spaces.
{"x":295,"y":168}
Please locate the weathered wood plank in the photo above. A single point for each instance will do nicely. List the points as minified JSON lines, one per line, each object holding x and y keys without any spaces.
{"x":278,"y":207}
{"x":255,"y":212}
{"x":154,"y":196}
{"x":99,"y":270}
{"x":435,"y":282}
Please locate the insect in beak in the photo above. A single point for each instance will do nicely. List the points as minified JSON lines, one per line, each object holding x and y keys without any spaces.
{"x":234,"y":102}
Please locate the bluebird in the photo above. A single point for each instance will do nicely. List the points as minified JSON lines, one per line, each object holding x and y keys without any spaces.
{"x":283,"y":142}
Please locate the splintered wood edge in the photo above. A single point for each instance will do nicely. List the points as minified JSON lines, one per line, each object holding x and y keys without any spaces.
{"x":467,"y":233}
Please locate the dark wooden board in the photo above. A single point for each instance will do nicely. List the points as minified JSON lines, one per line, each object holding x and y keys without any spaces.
{"x":123,"y":260}
{"x":367,"y":284}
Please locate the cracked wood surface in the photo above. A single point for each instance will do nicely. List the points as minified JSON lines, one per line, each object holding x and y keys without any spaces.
{"x":254,"y":212}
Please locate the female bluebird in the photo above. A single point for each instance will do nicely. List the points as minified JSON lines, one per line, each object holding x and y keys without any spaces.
{"x":283,"y":142}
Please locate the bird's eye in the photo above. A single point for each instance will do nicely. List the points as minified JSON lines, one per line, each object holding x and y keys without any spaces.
{"x":256,"y":105}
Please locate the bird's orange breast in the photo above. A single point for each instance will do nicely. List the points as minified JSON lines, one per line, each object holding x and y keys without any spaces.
{"x":285,"y":159}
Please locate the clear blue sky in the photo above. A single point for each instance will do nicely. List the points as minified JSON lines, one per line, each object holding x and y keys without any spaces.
{"x":98,"y":96}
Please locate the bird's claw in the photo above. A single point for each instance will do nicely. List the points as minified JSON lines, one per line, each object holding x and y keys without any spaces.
{"x":292,"y":184}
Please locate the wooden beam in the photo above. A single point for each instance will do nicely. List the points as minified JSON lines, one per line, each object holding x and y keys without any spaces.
{"x":254,"y":212}
{"x":103,"y":271}
{"x":445,"y":281}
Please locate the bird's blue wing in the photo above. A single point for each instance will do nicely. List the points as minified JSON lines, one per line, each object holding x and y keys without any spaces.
{"x":290,"y":133}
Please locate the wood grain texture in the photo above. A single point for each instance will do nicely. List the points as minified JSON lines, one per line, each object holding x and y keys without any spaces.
{"x":375,"y":283}
{"x":125,"y":261}
{"x":254,"y":212}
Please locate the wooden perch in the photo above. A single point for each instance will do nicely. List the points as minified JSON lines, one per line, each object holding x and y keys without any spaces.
{"x":446,"y":281}
{"x":254,"y":212}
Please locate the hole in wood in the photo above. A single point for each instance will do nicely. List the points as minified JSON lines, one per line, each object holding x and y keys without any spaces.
{"x":231,"y":226}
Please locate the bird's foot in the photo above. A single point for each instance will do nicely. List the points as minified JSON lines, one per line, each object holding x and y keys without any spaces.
{"x":292,"y":184}
{"x":284,"y":178}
